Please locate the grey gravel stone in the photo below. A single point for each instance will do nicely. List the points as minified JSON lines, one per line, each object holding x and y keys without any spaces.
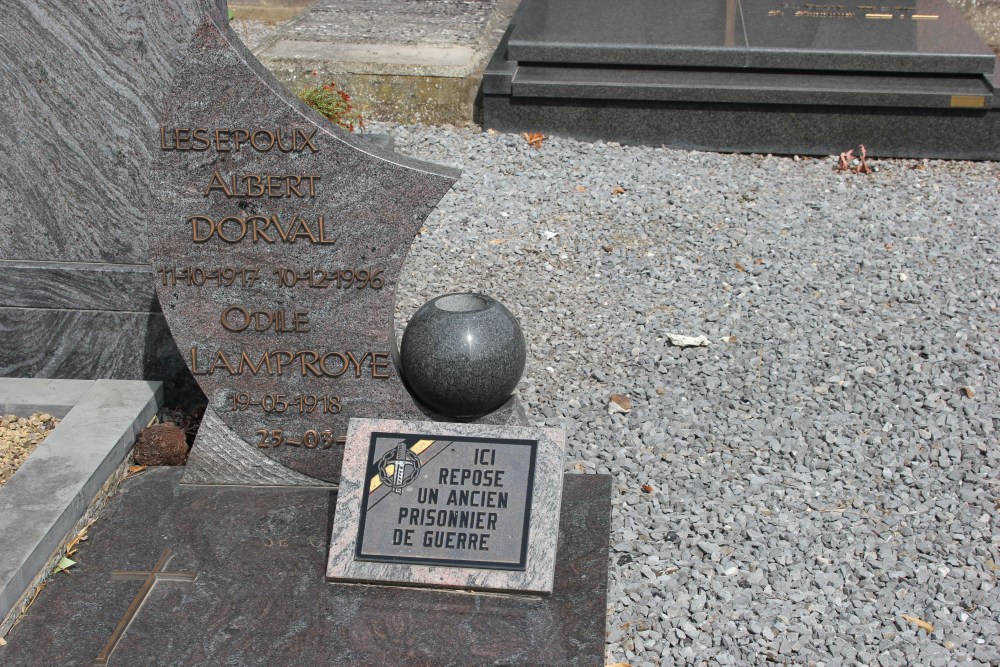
{"x":823,"y":443}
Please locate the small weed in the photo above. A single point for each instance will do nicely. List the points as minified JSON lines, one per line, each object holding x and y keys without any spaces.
{"x":334,"y":103}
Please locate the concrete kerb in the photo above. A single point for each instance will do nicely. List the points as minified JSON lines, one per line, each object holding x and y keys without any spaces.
{"x":46,"y":498}
{"x":398,"y":77}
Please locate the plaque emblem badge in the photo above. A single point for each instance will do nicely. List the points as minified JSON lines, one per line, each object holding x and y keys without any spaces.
{"x":398,"y":468}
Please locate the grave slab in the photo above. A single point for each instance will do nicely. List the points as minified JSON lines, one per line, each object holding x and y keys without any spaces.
{"x":910,"y":79}
{"x":258,"y":595}
{"x":53,"y":488}
{"x":417,"y":61}
{"x":673,"y":33}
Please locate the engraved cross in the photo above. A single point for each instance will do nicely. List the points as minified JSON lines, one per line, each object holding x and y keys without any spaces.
{"x":150,"y":578}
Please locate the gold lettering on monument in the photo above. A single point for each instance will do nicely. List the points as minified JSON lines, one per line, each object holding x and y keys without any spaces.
{"x":873,"y":12}
{"x":250,"y":226}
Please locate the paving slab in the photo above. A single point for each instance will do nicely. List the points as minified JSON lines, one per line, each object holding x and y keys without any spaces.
{"x":237,"y":578}
{"x":52,"y":490}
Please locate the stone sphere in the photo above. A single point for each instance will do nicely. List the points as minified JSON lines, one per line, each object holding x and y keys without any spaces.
{"x":462,"y":354}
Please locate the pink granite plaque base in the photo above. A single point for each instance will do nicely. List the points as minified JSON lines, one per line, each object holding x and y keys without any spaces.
{"x":448,"y":505}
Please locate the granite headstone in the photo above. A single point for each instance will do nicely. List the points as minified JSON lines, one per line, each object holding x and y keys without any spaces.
{"x":277,"y":241}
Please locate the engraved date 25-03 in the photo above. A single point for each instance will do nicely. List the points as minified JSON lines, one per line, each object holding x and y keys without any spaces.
{"x":311,"y":439}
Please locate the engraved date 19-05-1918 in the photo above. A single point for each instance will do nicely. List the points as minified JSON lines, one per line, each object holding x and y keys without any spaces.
{"x":304,"y":404}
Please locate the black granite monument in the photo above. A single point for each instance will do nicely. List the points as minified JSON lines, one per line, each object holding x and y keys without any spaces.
{"x":907,"y":79}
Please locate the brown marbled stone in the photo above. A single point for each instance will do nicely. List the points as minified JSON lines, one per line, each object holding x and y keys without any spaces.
{"x":260,"y":597}
{"x":360,"y":207}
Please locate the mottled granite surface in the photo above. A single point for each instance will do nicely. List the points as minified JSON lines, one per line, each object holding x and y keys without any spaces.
{"x":543,"y":489}
{"x":925,"y":36}
{"x":283,"y":312}
{"x":909,"y":79}
{"x":462,"y":354}
{"x":259,"y":596}
{"x":756,"y":128}
{"x":81,"y":84}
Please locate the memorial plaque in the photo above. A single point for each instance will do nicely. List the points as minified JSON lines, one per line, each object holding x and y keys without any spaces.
{"x":277,"y":240}
{"x":445,"y":500}
{"x":449,"y":505}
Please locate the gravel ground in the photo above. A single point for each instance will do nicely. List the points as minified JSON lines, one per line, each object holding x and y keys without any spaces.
{"x":827,"y":465}
{"x":19,"y":436}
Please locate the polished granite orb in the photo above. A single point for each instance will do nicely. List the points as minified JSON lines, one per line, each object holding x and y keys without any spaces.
{"x":462,"y":354}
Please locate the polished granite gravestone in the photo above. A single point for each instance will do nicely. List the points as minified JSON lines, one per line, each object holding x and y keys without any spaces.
{"x":908,"y":79}
{"x":234,"y":576}
{"x":277,"y":241}
{"x":81,"y":84}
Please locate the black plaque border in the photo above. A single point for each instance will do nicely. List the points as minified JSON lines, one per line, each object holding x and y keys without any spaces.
{"x":521,"y":565}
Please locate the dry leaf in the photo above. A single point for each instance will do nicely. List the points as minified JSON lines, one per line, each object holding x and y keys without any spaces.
{"x":581,"y":188}
{"x":992,"y":566}
{"x":758,"y":261}
{"x":134,"y":470}
{"x":619,"y":664}
{"x":619,"y":403}
{"x":856,"y":163}
{"x":3,"y":642}
{"x":498,"y":241}
{"x":534,"y":139}
{"x":740,"y":267}
{"x":969,"y":392}
{"x":618,"y":190}
{"x":80,"y":537}
{"x":919,"y":622}
{"x":647,"y":488}
{"x":580,"y":467}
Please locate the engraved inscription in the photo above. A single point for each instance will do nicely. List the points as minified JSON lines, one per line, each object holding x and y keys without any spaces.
{"x":304,"y":363}
{"x":263,"y":185}
{"x":260,"y":229}
{"x":226,"y":139}
{"x":338,"y":278}
{"x":838,"y":11}
{"x":305,"y":404}
{"x":310,"y":439}
{"x":447,"y":500}
{"x":199,"y":276}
